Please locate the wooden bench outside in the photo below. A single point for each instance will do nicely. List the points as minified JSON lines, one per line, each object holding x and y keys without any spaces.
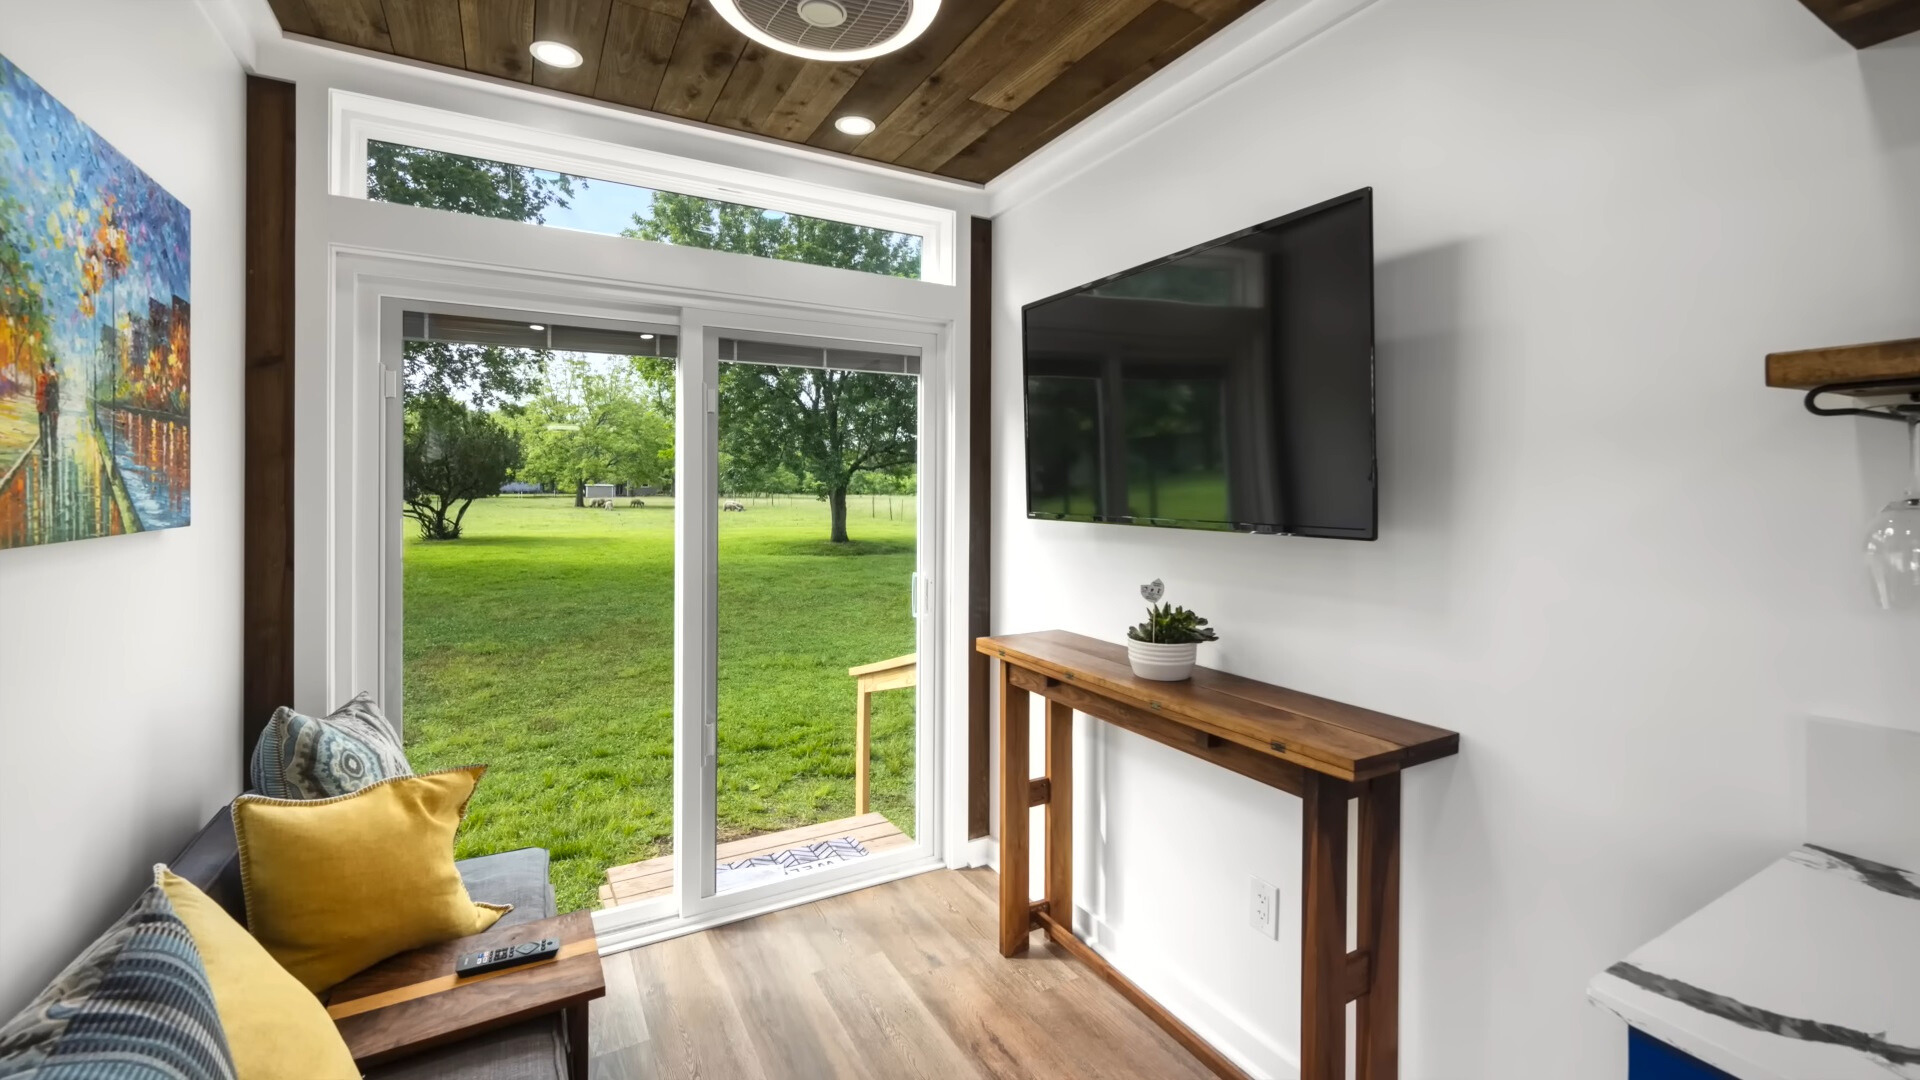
{"x":870,"y":679}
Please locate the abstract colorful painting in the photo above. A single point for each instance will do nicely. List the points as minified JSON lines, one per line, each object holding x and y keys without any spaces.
{"x":94,"y":332}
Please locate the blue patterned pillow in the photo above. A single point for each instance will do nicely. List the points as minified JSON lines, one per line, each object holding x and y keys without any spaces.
{"x":135,"y":1006}
{"x":299,"y":757}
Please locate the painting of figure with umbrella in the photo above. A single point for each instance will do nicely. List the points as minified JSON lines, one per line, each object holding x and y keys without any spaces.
{"x":95,"y":309}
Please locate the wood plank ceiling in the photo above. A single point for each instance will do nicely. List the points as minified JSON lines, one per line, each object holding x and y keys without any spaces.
{"x":986,"y":85}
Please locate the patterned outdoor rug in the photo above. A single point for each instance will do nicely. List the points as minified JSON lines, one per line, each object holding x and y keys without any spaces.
{"x":791,"y":862}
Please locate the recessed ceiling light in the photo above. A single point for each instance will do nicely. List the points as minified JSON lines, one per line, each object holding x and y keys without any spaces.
{"x":828,"y":29}
{"x":854,"y":125}
{"x":554,"y":54}
{"x":535,"y":326}
{"x":646,"y":337}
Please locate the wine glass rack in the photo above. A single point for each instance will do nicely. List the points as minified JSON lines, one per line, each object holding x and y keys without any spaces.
{"x":1882,"y":377}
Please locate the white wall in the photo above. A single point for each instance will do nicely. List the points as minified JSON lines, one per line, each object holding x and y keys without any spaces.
{"x":120,"y":657}
{"x":1618,"y":564}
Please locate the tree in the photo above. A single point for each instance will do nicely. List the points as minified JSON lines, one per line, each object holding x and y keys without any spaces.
{"x":452,"y":455}
{"x":587,"y":427}
{"x":827,"y":426}
{"x":824,"y":426}
{"x":416,"y":177}
{"x":486,"y":376}
{"x":690,"y":221}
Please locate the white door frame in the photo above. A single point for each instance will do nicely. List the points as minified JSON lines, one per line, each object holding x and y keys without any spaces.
{"x":347,"y":553}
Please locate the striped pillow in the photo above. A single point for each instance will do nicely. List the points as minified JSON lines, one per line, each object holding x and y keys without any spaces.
{"x":136,"y":1005}
{"x":299,"y":757}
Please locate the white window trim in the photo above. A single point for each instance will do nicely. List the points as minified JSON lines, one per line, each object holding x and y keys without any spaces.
{"x":353,"y":119}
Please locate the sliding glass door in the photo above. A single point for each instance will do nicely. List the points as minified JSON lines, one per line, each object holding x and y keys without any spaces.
{"x":817,"y":656}
{"x":537,"y":556}
{"x":667,"y":580}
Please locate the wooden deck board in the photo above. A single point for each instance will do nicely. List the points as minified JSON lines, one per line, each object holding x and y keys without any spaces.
{"x":654,"y":877}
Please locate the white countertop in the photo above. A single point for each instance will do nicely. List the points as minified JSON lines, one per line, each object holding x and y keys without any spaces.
{"x":1809,"y":970}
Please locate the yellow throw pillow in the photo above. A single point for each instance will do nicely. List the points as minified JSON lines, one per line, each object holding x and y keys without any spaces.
{"x":334,"y":886}
{"x":277,"y":1029}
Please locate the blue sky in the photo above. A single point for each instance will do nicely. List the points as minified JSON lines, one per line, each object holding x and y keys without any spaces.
{"x":600,"y":206}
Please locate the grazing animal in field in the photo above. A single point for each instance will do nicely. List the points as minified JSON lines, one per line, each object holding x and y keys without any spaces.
{"x":636,"y":502}
{"x":731,"y":505}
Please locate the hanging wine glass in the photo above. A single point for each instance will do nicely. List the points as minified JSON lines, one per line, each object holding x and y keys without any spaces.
{"x":1893,"y":540}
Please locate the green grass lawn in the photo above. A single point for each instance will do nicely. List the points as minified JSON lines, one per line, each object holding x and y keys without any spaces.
{"x":541,"y":644}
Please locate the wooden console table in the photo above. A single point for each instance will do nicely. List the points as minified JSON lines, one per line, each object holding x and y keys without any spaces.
{"x":1322,"y":751}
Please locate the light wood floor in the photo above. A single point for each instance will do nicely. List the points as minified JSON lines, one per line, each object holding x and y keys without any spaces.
{"x":646,"y":880}
{"x":895,"y":982}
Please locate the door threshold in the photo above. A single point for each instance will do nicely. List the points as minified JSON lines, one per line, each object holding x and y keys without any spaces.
{"x":617,"y":934}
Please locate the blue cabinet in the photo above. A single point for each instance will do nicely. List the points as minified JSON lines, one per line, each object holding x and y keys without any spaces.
{"x":1650,"y":1059}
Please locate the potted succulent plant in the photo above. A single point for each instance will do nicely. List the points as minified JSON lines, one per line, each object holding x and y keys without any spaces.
{"x":1163,"y":647}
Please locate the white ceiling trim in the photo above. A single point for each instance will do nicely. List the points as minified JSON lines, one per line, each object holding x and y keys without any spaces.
{"x":1252,"y":42}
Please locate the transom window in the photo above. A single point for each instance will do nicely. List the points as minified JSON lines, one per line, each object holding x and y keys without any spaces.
{"x":416,"y":176}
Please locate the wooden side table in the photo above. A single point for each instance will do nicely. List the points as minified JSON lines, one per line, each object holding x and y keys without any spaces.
{"x":1323,"y":751}
{"x":414,"y":1002}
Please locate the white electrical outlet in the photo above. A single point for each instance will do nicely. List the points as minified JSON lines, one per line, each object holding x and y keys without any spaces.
{"x":1263,"y":910}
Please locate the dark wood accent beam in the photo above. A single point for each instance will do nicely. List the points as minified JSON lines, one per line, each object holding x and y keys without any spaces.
{"x":267,"y":528}
{"x":1866,"y":23}
{"x":1039,"y":792}
{"x":979,"y":522}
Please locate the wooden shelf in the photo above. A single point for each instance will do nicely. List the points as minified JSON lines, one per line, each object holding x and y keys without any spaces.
{"x":1808,"y":368}
{"x":1863,"y":25}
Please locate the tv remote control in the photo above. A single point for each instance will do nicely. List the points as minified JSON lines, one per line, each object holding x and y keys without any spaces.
{"x":505,"y":956}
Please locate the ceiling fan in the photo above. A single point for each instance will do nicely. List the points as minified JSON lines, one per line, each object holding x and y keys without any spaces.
{"x":832,"y":30}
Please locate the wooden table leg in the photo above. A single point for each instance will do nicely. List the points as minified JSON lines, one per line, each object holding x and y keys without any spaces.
{"x":1377,"y":1039}
{"x":1015,"y":910}
{"x":1323,"y":928}
{"x":577,"y":1055}
{"x":1060,"y":814}
{"x":862,"y":751}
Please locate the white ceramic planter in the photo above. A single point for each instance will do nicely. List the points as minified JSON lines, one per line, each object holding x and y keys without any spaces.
{"x":1161,"y":663}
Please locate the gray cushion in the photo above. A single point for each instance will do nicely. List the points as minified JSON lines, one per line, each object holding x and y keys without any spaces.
{"x":516,"y":877}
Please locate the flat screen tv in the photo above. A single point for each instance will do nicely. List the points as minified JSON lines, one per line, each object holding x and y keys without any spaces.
{"x":1226,"y":387}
